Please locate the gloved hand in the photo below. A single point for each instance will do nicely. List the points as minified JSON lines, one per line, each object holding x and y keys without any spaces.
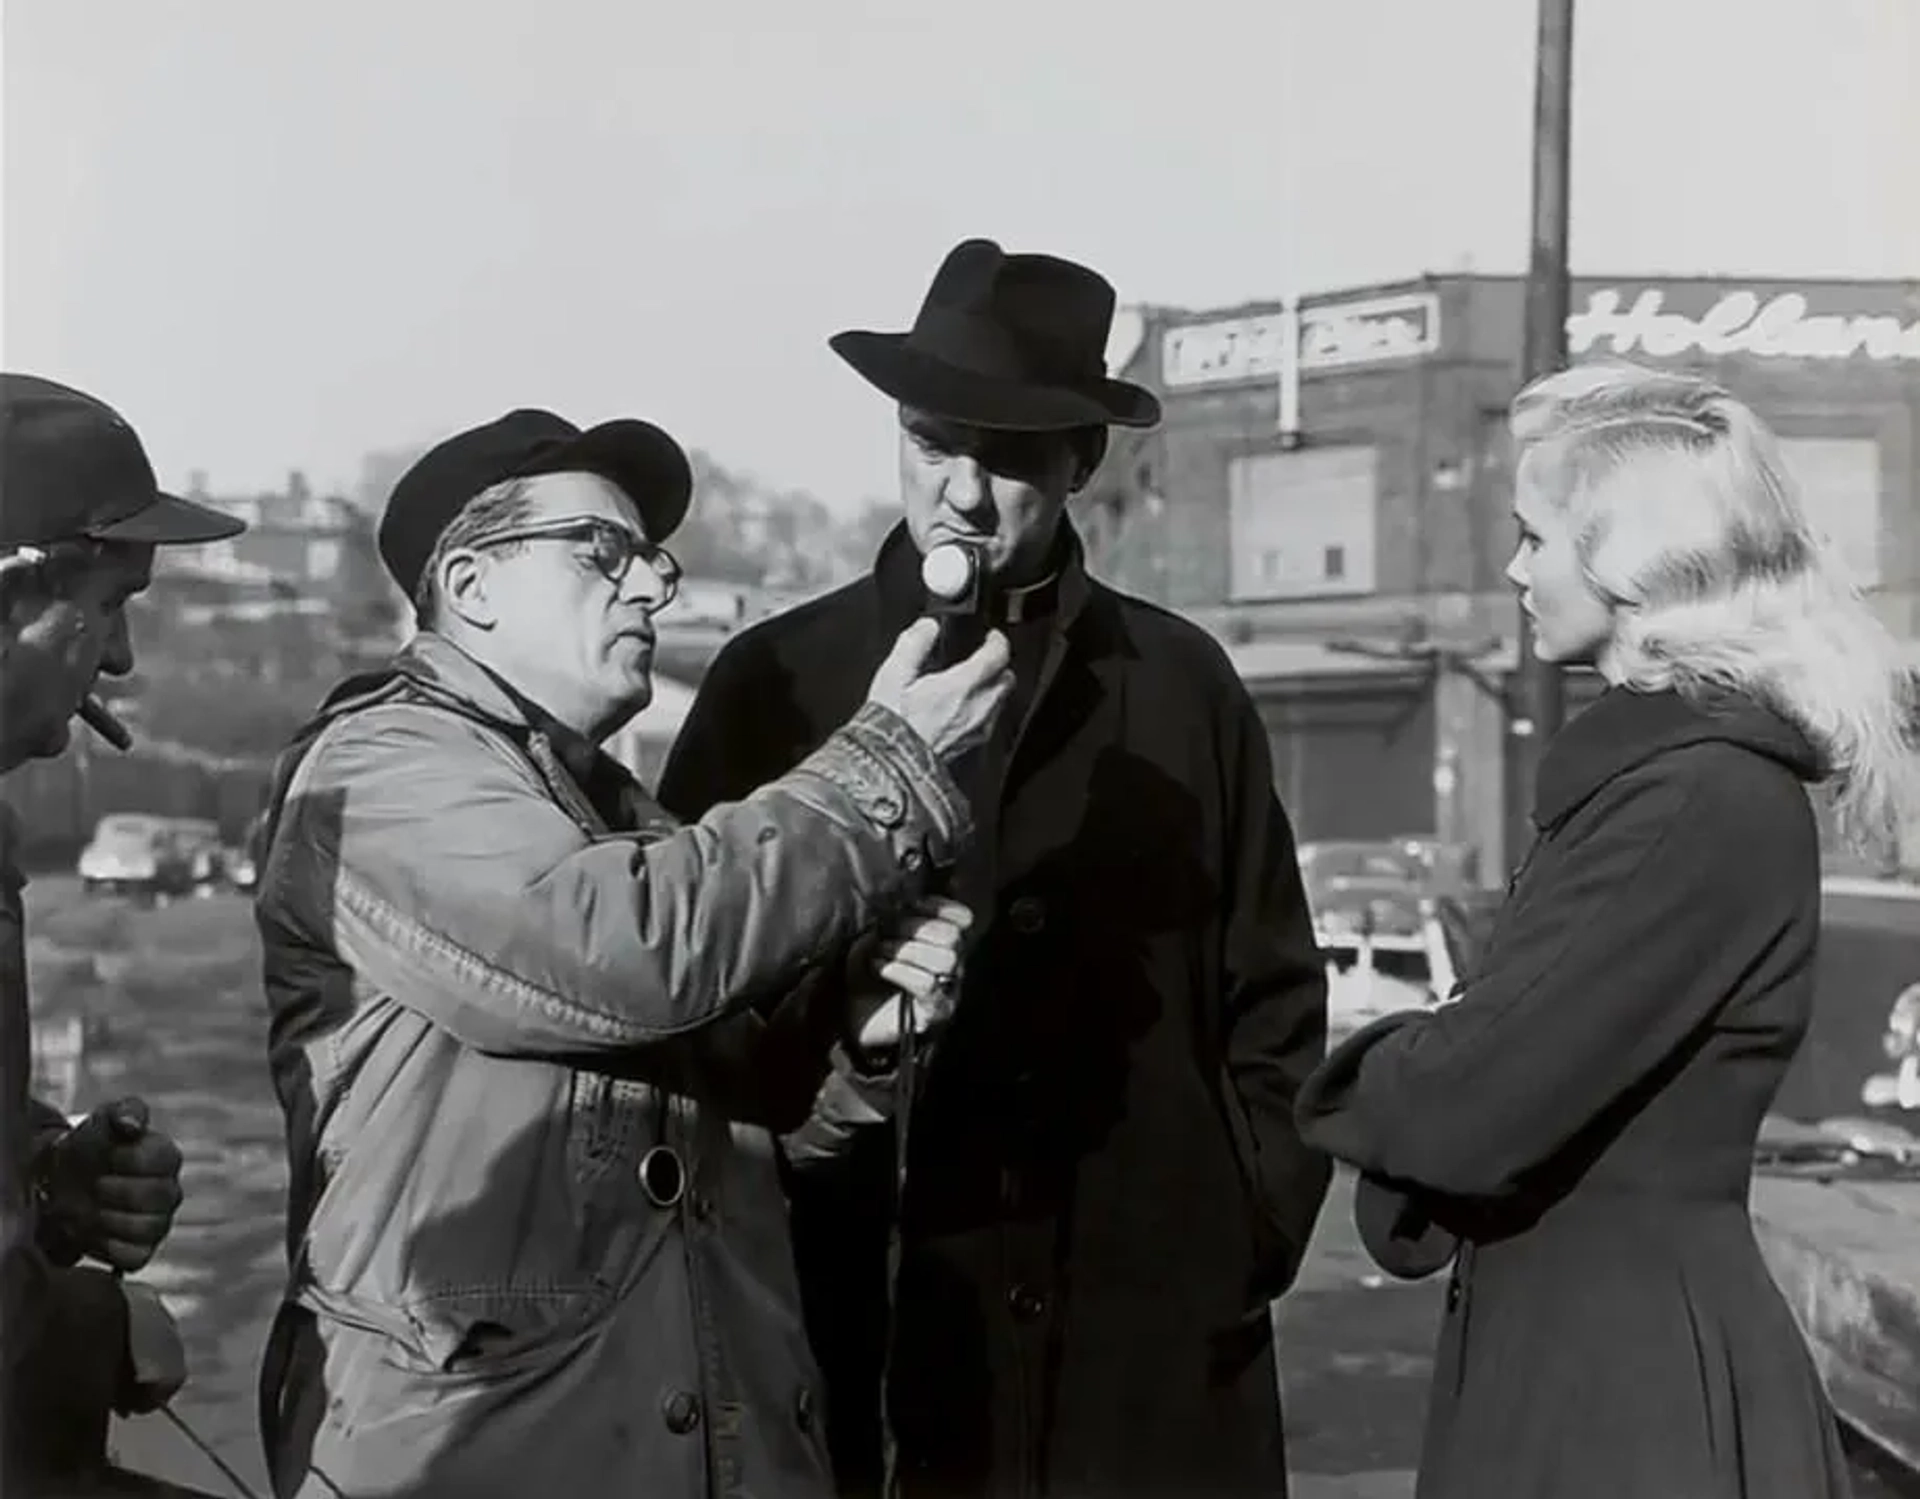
{"x":111,"y":1185}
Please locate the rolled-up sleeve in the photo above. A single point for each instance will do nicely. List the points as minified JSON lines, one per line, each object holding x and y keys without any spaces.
{"x":457,"y":886}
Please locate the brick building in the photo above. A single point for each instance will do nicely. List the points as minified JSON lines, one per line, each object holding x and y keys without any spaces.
{"x":1353,"y":565}
{"x":319,"y":545}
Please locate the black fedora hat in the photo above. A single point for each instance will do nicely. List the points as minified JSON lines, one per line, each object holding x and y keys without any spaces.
{"x":1011,"y":342}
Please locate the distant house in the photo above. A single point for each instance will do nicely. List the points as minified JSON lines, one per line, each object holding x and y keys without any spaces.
{"x":301,"y":554}
{"x":706,"y":603}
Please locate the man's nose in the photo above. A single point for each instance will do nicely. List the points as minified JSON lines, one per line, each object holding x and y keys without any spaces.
{"x":117,"y":659}
{"x":968,"y":486}
{"x":1516,"y":569}
{"x":645,"y":586}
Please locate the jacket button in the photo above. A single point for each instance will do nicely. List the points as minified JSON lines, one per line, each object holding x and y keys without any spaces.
{"x":912,"y":860}
{"x":888,"y":810}
{"x":1028,"y":914}
{"x":681,"y":1410}
{"x":1026,"y":1303}
{"x":663,"y":1176}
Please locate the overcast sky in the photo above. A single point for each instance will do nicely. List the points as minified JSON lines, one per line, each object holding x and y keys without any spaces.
{"x":281,"y":234}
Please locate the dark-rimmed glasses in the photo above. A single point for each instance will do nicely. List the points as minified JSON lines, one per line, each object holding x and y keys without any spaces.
{"x":611,"y":548}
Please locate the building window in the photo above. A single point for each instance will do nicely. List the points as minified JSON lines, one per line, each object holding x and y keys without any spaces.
{"x":1839,"y":483}
{"x":1303,"y":524}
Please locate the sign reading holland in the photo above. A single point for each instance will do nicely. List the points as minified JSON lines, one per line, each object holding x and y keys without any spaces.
{"x":1348,"y":333}
{"x":1738,"y":324}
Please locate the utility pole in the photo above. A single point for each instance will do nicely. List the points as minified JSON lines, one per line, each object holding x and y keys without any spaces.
{"x":1542,"y":706}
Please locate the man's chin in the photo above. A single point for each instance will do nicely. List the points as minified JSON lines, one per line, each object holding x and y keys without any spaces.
{"x":632,"y":704}
{"x":43,"y":743}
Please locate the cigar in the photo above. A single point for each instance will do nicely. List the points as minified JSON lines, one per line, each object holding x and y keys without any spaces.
{"x":94,"y":714}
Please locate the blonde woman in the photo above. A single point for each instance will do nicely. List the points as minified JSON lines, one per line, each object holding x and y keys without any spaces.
{"x":1580,"y":1123}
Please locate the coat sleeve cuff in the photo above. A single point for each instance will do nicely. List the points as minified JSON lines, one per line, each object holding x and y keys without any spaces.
{"x":1322,"y":1109}
{"x":1399,"y":1235}
{"x":49,"y":1127}
{"x":847,"y":1103}
{"x":896,"y":782}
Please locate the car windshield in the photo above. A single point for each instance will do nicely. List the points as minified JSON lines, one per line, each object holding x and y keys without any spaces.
{"x":130,"y":827}
{"x":1325,"y":863}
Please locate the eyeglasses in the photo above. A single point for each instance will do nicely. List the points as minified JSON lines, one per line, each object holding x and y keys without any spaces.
{"x":612,"y":549}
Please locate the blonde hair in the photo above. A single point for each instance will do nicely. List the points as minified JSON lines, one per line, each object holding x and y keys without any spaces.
{"x":1687,"y":523}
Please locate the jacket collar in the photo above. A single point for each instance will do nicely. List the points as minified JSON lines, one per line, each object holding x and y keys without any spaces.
{"x":438,"y":669}
{"x":443,"y":669}
{"x":1625,"y":728}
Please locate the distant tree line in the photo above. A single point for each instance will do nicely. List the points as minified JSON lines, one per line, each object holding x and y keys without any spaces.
{"x":740,"y":531}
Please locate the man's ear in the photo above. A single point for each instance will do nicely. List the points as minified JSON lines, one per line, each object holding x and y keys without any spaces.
{"x":463,"y":589}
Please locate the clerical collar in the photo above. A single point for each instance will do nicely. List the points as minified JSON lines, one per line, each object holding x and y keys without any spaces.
{"x":1014,"y":606}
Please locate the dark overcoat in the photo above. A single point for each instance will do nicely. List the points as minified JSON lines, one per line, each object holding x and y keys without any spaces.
{"x":1106,"y":1186}
{"x":1583,"y":1119}
{"x":63,"y":1326}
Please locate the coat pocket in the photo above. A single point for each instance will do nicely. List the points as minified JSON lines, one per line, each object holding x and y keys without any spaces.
{"x":480,"y":1336}
{"x":1263,"y":1233}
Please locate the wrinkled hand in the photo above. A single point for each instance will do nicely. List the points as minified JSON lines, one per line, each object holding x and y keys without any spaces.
{"x":918,"y":954}
{"x":952,"y":710}
{"x":113,"y":1185}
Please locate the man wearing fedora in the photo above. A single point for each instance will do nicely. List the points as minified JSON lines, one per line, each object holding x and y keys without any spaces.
{"x":1104,"y":1188}
{"x":531,"y":1035}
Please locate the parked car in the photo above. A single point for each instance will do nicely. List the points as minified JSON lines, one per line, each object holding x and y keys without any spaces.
{"x":238,"y":867}
{"x":141,"y":853}
{"x":1373,"y":887}
{"x":200,"y":840}
{"x":240,"y":860}
{"x":1375,"y":917}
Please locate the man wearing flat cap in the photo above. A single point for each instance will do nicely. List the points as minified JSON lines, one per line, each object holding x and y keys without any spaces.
{"x":1103,"y":1187}
{"x":531,"y":1035}
{"x":80,"y":516}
